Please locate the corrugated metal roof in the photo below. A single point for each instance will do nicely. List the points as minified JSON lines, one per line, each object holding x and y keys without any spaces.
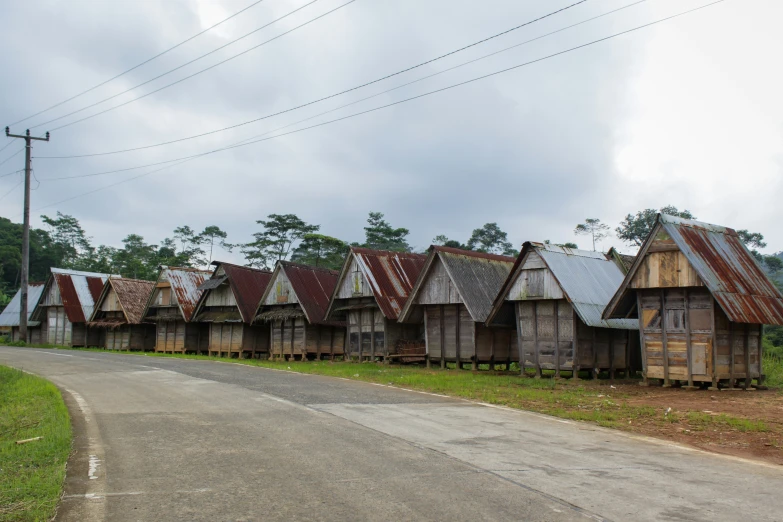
{"x":391,"y":276}
{"x":10,"y":315}
{"x":247,"y":284}
{"x":588,"y":280}
{"x":477,"y":276}
{"x":132,"y":294}
{"x":185,"y":284}
{"x":76,"y":291}
{"x":313,"y":287}
{"x":722,"y":262}
{"x":728,"y":269}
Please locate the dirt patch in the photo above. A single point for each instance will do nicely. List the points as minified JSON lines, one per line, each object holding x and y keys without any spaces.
{"x":744,"y":424}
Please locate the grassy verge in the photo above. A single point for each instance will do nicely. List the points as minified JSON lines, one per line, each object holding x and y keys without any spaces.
{"x":31,"y":474}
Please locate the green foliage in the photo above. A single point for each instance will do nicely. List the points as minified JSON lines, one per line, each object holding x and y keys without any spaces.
{"x":594,"y":228}
{"x":32,"y":474}
{"x":190,"y":253}
{"x":276,"y":240}
{"x":635,"y":228}
{"x":566,"y":245}
{"x":321,"y":251}
{"x":69,"y":241}
{"x":491,"y":240}
{"x":442,"y":240}
{"x":211,"y":235}
{"x":380,"y":235}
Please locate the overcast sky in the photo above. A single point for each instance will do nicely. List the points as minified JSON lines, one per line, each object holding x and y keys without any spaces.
{"x":688,"y":112}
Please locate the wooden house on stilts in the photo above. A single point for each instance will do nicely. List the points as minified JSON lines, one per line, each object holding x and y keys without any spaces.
{"x":170,"y":308}
{"x":118,"y":313}
{"x":558,"y":295}
{"x":453,"y":295}
{"x":370,"y":293}
{"x":66,"y":304}
{"x":294,"y":305}
{"x":700,"y":300}
{"x":9,"y":318}
{"x":228,"y":303}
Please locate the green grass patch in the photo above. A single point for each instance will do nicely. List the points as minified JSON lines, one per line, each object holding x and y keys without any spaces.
{"x":32,"y":474}
{"x":700,"y":421}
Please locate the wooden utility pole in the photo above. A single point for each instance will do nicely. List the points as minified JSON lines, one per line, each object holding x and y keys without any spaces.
{"x":25,"y":229}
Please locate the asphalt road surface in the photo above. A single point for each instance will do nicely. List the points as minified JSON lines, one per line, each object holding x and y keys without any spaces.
{"x":174,"y":439}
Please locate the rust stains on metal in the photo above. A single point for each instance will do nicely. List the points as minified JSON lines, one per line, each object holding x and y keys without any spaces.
{"x":95,"y":284}
{"x":313,"y":288}
{"x":70,"y":299}
{"x":185,"y":284}
{"x":248,"y":285}
{"x":391,"y":276}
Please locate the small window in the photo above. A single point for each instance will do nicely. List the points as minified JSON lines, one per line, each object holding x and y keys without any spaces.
{"x":164,"y":297}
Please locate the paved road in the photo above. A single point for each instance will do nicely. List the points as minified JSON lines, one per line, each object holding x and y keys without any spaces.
{"x":172,"y":439}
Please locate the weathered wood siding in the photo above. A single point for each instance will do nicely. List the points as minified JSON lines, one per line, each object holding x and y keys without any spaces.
{"x":534,"y":281}
{"x":179,"y":336}
{"x":366,"y":333}
{"x":438,"y":288}
{"x":130,"y":337}
{"x":553,"y":337}
{"x":453,"y":336}
{"x":33,"y":334}
{"x":111,"y":303}
{"x":221,"y":296}
{"x":296,"y":337}
{"x":665,"y":266}
{"x":238,"y":338}
{"x":354,"y":284}
{"x":281,"y":291}
{"x":686,"y":336}
{"x":59,"y":329}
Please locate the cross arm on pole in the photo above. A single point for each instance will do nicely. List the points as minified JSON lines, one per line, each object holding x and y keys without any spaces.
{"x":26,"y":136}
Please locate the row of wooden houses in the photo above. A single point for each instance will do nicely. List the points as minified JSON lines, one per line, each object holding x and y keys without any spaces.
{"x":688,"y":308}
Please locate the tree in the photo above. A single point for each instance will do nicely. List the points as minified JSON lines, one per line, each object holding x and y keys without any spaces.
{"x":281,"y":232}
{"x":594,"y":228}
{"x":102,"y":260}
{"x":191,"y":253}
{"x":137,"y":259}
{"x":380,"y":235}
{"x":752,"y":240}
{"x":69,"y":239}
{"x":211,"y":234}
{"x":635,"y":228}
{"x":566,"y":245}
{"x":442,"y":240}
{"x":321,"y":251}
{"x":491,"y":240}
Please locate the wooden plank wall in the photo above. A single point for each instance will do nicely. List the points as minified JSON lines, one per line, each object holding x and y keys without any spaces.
{"x":59,"y":328}
{"x":354,"y":284}
{"x":179,"y":337}
{"x":366,"y":333}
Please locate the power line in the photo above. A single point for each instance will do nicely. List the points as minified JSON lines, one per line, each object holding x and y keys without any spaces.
{"x":196,"y":73}
{"x":11,"y":156}
{"x":326,"y":97}
{"x":571,"y":49}
{"x":148,"y":60}
{"x":12,"y":189}
{"x":174,"y":69}
{"x":6,"y":145}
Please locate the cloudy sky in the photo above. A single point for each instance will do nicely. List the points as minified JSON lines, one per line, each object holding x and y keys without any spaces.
{"x":687,"y":112}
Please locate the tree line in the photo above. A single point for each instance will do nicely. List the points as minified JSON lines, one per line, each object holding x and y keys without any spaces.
{"x":64,"y":243}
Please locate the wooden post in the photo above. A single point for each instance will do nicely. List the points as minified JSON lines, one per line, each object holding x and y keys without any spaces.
{"x":595,"y":353}
{"x":520,"y":350}
{"x":427,"y":362}
{"x":643,"y":346}
{"x":442,"y":340}
{"x":557,"y":342}
{"x":666,"y":383}
{"x":611,"y":355}
{"x":459,"y":355}
{"x":293,"y":336}
{"x":535,"y":339}
{"x":628,"y":338}
{"x":491,"y":350}
{"x":575,"y":343}
{"x":714,"y":386}
{"x":747,"y":356}
{"x":688,"y":346}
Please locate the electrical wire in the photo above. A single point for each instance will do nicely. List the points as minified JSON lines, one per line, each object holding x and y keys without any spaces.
{"x":11,"y":173}
{"x":582,"y":46}
{"x":11,"y":156}
{"x":12,"y":189}
{"x":192,"y":75}
{"x":7,"y":145}
{"x":176,"y":68}
{"x":331,"y":95}
{"x":148,"y":60}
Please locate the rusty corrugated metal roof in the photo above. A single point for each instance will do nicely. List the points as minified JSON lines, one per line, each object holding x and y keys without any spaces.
{"x":313,"y":288}
{"x":10,"y":315}
{"x":477,"y":277}
{"x":76,"y":291}
{"x":391,"y":276}
{"x":247,"y":284}
{"x":185,"y":284}
{"x":725,"y":266}
{"x":132,"y":295}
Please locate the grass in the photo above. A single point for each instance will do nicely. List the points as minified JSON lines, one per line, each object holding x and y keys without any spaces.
{"x":32,"y":474}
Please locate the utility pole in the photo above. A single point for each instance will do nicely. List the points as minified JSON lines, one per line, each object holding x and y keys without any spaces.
{"x":25,"y":229}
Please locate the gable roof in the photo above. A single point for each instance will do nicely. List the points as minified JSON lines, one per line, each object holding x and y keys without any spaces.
{"x":78,"y":291}
{"x":391,"y":276}
{"x":184,"y":283}
{"x":247,"y":284}
{"x":10,"y":314}
{"x":477,"y":276}
{"x":624,"y":261}
{"x":588,"y":281}
{"x":132,"y":294}
{"x":312,"y":285}
{"x":722,"y":262}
